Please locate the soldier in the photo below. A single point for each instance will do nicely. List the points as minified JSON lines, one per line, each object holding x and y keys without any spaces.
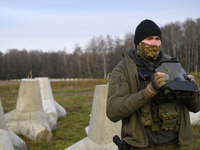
{"x":149,"y":121}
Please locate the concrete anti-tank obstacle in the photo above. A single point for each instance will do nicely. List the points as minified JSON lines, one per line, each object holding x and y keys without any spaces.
{"x":8,"y":139}
{"x":29,"y":118}
{"x":107,"y":78}
{"x":101,"y":129}
{"x":49,"y":104}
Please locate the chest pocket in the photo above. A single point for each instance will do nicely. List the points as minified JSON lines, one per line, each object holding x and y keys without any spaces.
{"x":166,"y":116}
{"x":145,"y":111}
{"x":145,"y":114}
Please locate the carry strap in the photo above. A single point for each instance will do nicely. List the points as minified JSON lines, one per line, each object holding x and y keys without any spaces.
{"x":130,"y":64}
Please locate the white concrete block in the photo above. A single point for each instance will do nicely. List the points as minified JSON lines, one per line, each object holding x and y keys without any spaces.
{"x":101,"y":129}
{"x":18,"y":143}
{"x":87,"y":144}
{"x":34,"y":126}
{"x":60,"y":110}
{"x":50,"y":108}
{"x":8,"y":139}
{"x":49,"y":104}
{"x":29,"y":96}
{"x":51,"y":121}
{"x":29,"y":119}
{"x":12,"y":120}
{"x":5,"y":141}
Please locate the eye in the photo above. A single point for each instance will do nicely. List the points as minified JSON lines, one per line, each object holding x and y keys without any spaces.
{"x":158,"y":38}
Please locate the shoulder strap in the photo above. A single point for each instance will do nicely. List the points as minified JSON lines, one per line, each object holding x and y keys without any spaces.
{"x":132,"y":73}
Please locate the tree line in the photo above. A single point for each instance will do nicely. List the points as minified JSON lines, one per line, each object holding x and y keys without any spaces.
{"x":101,"y":55}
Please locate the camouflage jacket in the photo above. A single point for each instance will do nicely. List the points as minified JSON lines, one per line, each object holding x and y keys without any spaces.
{"x":124,"y":101}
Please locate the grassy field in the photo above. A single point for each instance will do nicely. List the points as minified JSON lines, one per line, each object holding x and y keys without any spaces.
{"x":76,"y":97}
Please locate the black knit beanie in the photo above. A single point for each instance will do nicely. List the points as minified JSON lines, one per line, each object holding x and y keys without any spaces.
{"x":145,"y":29}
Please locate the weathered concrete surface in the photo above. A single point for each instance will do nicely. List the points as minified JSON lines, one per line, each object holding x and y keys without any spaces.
{"x":101,"y":129}
{"x":5,"y":141}
{"x":60,"y":110}
{"x":51,"y":121}
{"x":49,"y":104}
{"x":29,"y":118}
{"x":8,"y":139}
{"x":18,"y":143}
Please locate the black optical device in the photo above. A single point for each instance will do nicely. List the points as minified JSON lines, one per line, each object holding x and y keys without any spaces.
{"x":178,"y":84}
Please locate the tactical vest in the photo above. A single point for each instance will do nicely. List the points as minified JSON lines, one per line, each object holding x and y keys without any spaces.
{"x":165,"y":114}
{"x":163,"y":111}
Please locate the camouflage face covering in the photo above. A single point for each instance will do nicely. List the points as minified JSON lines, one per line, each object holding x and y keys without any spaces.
{"x":148,"y":52}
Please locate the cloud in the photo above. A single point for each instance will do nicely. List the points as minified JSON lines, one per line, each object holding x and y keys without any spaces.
{"x":57,"y":24}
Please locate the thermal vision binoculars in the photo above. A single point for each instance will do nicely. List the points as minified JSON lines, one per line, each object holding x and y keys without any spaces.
{"x":178,"y":85}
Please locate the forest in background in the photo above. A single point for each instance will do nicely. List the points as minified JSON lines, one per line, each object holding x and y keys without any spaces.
{"x":101,"y":55}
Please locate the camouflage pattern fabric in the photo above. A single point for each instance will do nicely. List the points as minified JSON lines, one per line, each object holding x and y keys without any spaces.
{"x":148,"y":52}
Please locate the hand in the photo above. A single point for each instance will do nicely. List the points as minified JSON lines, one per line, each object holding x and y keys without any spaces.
{"x":191,"y":78}
{"x":160,"y":79}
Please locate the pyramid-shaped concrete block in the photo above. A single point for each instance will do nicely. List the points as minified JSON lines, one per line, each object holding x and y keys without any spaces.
{"x":49,"y":104}
{"x":101,"y":129}
{"x":29,"y":118}
{"x":8,"y":139}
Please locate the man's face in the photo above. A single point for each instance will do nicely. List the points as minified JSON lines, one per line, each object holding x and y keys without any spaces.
{"x":149,"y":48}
{"x":152,"y":40}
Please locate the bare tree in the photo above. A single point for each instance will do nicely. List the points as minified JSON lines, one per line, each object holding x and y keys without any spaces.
{"x":77,"y":55}
{"x":102,"y":49}
{"x":110,"y":56}
{"x":88,"y":62}
{"x":93,"y":48}
{"x":189,"y":39}
{"x":101,"y":55}
{"x":129,"y":40}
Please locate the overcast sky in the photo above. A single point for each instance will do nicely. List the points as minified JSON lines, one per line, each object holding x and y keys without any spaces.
{"x":52,"y":25}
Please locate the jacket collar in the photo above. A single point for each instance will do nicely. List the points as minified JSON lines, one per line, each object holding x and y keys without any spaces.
{"x":151,"y":65}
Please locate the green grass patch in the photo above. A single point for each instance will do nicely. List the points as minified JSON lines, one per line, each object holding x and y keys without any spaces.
{"x":75,"y":86}
{"x":76,"y":98}
{"x":9,"y":87}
